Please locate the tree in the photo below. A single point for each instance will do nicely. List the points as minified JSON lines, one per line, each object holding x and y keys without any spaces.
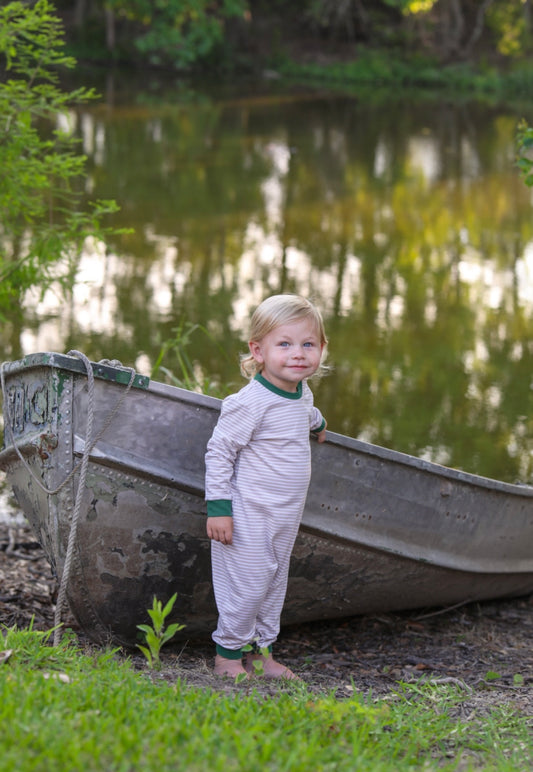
{"x":171,"y":33}
{"x":42,"y":227}
{"x":184,"y":31}
{"x":454,"y":28}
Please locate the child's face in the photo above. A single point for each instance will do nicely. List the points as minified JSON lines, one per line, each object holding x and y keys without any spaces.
{"x":289,"y":353}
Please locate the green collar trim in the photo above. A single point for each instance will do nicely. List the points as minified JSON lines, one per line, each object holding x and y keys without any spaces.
{"x":281,"y":392}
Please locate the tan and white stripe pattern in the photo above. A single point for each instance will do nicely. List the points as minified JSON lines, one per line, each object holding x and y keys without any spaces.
{"x":259,"y":457}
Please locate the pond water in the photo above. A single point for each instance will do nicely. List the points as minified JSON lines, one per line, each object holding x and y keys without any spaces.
{"x":405,"y":221}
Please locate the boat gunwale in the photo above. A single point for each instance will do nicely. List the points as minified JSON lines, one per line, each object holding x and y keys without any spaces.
{"x":176,"y":393}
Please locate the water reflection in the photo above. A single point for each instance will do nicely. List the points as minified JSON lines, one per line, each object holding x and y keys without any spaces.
{"x":407,"y":223}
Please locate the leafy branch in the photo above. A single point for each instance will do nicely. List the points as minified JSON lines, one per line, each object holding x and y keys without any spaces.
{"x":45,"y":222}
{"x":524,"y":159}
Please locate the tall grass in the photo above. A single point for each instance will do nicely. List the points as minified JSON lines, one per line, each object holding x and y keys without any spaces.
{"x":184,"y":371}
{"x":69,"y":709}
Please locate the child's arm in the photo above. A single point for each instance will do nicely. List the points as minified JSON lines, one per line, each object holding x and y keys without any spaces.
{"x":220,"y":529}
{"x":233,"y":431}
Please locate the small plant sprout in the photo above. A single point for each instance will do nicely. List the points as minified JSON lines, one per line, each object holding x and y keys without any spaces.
{"x":258,"y":664}
{"x":156,"y":636}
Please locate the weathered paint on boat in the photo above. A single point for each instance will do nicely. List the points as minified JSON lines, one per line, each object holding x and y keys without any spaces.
{"x":381,"y":531}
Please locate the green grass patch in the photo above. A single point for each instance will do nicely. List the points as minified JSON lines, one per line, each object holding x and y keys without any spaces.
{"x":378,"y":69}
{"x":65,"y":708}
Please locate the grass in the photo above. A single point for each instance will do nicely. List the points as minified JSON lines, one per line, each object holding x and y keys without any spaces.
{"x":382,"y":70}
{"x":65,"y":708}
{"x":185,"y":372}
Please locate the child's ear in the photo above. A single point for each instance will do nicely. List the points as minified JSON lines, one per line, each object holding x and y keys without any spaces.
{"x":255,"y":351}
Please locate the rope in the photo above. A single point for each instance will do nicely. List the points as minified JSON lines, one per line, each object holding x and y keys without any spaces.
{"x":77,"y":505}
{"x":82,"y":466}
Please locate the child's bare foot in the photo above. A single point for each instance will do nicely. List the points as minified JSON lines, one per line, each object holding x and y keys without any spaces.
{"x":228,"y":667}
{"x":269,"y":668}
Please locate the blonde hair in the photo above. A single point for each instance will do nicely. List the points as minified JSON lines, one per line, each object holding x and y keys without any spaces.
{"x":273,"y":312}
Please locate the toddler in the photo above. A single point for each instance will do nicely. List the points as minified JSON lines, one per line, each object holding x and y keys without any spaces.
{"x":258,"y":467}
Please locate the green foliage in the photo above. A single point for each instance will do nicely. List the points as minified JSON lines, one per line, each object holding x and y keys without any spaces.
{"x":157,"y":635}
{"x":509,"y":23}
{"x":412,"y":6}
{"x":28,"y":647}
{"x":524,"y":159}
{"x":379,"y":68}
{"x":207,"y":34}
{"x":185,"y":374}
{"x":177,"y":32}
{"x":257,"y":664}
{"x":43,"y":228}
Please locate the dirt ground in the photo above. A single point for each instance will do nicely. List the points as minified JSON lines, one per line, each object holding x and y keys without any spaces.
{"x":485,"y":649}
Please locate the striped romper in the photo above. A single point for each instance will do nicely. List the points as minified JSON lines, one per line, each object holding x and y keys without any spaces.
{"x":258,"y":466}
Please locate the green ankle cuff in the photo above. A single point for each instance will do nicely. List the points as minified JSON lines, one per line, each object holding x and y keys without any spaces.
{"x":228,"y":653}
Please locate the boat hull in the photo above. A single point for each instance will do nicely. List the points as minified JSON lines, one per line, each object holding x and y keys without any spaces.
{"x":381,"y":531}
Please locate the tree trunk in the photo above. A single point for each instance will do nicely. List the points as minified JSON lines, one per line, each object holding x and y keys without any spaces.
{"x":478,"y":26}
{"x":110,"y":38}
{"x":80,"y":8}
{"x":527,"y":15}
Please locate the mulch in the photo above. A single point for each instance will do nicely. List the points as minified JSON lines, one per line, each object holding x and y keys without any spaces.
{"x":484,"y":649}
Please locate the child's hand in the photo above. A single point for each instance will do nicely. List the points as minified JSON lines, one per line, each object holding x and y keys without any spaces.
{"x":321,"y":436}
{"x":220,"y":529}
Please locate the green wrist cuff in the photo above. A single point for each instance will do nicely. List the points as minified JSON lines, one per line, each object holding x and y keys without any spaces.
{"x":319,"y":428}
{"x":219,"y":508}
